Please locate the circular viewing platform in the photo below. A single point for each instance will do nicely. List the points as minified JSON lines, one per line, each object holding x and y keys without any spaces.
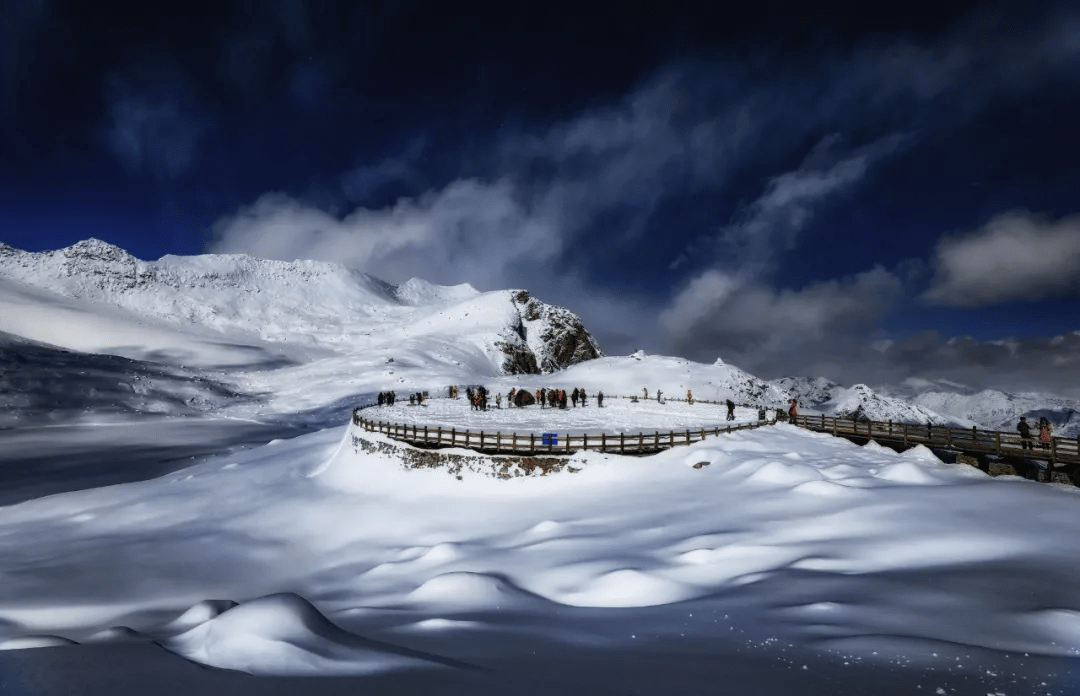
{"x":620,"y":426}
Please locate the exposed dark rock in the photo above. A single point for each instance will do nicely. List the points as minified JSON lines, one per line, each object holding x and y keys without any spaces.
{"x":524,"y":398}
{"x":503,"y":467}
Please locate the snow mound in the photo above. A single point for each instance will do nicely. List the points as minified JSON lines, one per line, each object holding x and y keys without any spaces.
{"x":117,"y":634}
{"x":910,"y":472}
{"x":199,"y":614}
{"x":465,"y":590}
{"x":628,"y":587}
{"x":921,"y":453}
{"x":283,"y":634}
{"x":781,"y":474}
{"x":27,"y":642}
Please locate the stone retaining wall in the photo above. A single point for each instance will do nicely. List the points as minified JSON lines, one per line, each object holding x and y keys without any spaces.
{"x":455,"y":464}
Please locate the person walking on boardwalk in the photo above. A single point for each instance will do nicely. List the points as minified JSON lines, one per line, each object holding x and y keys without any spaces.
{"x":498,"y":399}
{"x":730,"y":409}
{"x":1025,"y":433}
{"x":600,"y":399}
{"x":793,"y":411}
{"x":573,"y":397}
{"x":1044,"y":433}
{"x":581,"y":396}
{"x":646,"y":390}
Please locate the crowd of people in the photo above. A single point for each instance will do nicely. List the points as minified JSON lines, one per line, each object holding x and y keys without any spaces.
{"x":478,"y":397}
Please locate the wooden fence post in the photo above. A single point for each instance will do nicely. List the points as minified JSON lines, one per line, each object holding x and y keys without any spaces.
{"x":425,"y":435}
{"x":997,"y":439}
{"x":439,"y":435}
{"x":603,"y":441}
{"x":640,"y":441}
{"x":890,"y":427}
{"x":481,"y":439}
{"x":468,"y":437}
{"x":568,"y":443}
{"x":622,"y":443}
{"x":532,"y":443}
{"x":656,"y":440}
{"x":453,"y":436}
{"x":514,"y":445}
{"x":688,"y":438}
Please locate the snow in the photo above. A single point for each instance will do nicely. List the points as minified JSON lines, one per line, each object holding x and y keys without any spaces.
{"x":297,"y":533}
{"x":776,"y":560}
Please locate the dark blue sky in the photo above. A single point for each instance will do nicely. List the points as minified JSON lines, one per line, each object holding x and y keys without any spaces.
{"x":845,"y":189}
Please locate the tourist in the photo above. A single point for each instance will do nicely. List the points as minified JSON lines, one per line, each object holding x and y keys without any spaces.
{"x":731,"y":410}
{"x":793,"y":411}
{"x":1025,"y":434}
{"x":581,"y":396}
{"x":498,"y":400}
{"x":600,"y":399}
{"x":1044,"y":433}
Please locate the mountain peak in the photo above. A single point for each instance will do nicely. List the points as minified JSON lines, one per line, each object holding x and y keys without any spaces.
{"x":94,"y":248}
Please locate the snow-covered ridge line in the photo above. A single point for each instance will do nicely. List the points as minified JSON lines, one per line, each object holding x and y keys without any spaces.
{"x":305,"y":309}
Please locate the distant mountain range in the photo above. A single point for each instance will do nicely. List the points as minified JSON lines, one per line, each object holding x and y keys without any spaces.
{"x":232,"y":328}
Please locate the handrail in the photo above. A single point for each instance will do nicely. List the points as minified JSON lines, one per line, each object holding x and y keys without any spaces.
{"x":527,"y":444}
{"x":1057,"y":449}
{"x":973,"y":440}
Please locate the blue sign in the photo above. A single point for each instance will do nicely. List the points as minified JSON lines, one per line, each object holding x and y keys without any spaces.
{"x":551,"y":438}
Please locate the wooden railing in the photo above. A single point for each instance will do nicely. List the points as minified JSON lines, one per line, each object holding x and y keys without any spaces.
{"x":531,"y":443}
{"x":969,"y":440}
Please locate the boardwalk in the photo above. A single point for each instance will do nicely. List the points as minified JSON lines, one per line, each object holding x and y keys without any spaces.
{"x":542,"y":443}
{"x":1061,"y":454}
{"x":971,"y":441}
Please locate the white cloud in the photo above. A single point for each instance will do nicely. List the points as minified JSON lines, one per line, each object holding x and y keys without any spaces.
{"x":468,"y":230}
{"x":1015,"y":256}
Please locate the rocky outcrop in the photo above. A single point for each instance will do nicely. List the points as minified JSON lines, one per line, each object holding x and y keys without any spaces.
{"x":555,"y":335}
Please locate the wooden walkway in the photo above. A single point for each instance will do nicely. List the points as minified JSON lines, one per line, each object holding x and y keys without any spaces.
{"x":971,"y":441}
{"x":533,"y":444}
{"x":1059,"y":452}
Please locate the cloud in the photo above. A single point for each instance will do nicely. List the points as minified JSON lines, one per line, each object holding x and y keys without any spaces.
{"x":155,"y":123}
{"x":468,"y":230}
{"x":1015,"y":256}
{"x":725,"y":312}
{"x":772,"y":223}
{"x":361,"y":184}
{"x":542,"y":207}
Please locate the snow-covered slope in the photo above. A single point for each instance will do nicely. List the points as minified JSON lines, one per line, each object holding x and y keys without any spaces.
{"x":196,"y":309}
{"x":44,"y":384}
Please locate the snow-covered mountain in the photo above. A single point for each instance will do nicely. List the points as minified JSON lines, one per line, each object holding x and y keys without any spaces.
{"x":241,"y":311}
{"x":858,"y":402}
{"x":991,"y":408}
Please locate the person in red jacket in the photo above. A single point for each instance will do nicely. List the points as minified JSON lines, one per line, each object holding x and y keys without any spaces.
{"x":793,"y":411}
